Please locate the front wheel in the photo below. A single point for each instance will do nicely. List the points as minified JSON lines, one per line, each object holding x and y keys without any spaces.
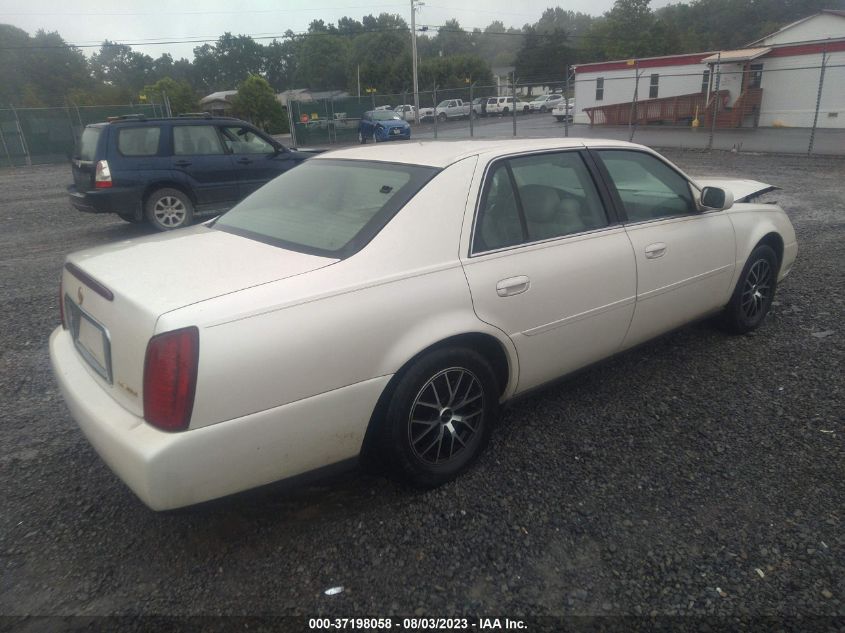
{"x":559,"y":119}
{"x":754,"y":292}
{"x":504,"y":111}
{"x":442,"y":117}
{"x":440,"y":416}
{"x":168,"y":209}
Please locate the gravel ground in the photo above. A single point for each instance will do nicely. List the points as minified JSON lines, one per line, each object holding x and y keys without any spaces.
{"x":700,"y":474}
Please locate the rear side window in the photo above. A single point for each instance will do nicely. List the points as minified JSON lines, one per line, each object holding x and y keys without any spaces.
{"x":196,"y":140}
{"x":555,"y":196}
{"x":88,"y":143}
{"x":138,"y":141}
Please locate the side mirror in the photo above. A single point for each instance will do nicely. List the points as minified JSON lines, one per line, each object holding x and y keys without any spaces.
{"x":716,"y":198}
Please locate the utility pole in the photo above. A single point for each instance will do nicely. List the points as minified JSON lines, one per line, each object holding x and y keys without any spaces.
{"x":414,"y":5}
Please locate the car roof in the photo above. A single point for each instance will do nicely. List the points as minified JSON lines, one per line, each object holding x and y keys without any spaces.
{"x":444,"y":153}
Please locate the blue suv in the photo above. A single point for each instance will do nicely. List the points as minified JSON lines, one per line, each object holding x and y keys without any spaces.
{"x":166,"y":170}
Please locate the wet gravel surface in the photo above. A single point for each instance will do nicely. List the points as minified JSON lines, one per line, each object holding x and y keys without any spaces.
{"x":700,"y":474}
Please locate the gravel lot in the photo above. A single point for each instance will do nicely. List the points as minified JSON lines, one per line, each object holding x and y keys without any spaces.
{"x":700,"y":474}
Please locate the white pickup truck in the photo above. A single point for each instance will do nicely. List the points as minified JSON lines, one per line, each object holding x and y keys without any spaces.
{"x":452,"y":109}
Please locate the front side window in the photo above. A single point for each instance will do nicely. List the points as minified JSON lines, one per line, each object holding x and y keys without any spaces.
{"x":534,"y":198}
{"x":648,"y":188}
{"x":326,"y":207}
{"x":600,"y":89}
{"x":196,"y":140}
{"x":138,"y":141}
{"x":242,"y":140}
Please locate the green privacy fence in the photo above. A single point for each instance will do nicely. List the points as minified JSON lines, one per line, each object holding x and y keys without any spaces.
{"x":37,"y":136}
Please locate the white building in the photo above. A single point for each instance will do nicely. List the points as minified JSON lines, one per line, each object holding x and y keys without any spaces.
{"x":772,"y":83}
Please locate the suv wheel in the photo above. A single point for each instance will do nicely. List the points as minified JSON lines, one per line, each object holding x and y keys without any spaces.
{"x":168,"y":209}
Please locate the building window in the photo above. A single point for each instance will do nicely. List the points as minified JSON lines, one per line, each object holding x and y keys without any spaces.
{"x":599,"y":88}
{"x":705,"y":81}
{"x":755,"y":78}
{"x":652,"y":86}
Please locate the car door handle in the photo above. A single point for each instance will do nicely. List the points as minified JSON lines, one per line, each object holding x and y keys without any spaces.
{"x":653,"y":251}
{"x":244,"y":160}
{"x":182,"y":163}
{"x":512,"y":286}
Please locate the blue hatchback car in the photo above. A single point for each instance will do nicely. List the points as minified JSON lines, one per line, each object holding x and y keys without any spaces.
{"x":383,"y":125}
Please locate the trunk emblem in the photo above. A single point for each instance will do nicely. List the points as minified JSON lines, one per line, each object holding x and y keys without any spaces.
{"x":79,"y":295}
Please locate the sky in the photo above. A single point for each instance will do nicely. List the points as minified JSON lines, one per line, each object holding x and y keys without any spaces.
{"x":89,"y":22}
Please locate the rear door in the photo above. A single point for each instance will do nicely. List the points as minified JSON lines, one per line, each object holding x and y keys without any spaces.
{"x":200,"y":158}
{"x":255,"y":158}
{"x":548,"y":266}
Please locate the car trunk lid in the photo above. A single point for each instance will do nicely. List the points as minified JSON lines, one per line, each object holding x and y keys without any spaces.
{"x":113,"y":295}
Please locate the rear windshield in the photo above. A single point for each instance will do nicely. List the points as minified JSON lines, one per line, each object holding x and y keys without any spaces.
{"x":326,"y":207}
{"x":88,"y":143}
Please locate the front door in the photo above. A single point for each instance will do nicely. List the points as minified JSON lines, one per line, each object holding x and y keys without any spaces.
{"x":548,"y":267}
{"x":685,"y":257}
{"x":256,"y":160}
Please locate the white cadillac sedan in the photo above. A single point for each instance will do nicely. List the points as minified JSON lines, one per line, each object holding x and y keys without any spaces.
{"x":390,"y":299}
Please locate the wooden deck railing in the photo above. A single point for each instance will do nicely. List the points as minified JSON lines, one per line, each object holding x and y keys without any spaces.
{"x":662,"y":110}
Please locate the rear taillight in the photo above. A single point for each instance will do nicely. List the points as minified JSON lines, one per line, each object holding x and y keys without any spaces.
{"x":102,"y":175}
{"x":170,"y":379}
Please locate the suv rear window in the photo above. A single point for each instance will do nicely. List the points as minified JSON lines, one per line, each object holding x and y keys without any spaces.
{"x":138,"y":141}
{"x":326,"y":207}
{"x":88,"y":143}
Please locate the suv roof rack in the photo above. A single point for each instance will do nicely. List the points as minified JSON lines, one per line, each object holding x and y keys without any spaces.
{"x":126,"y":117}
{"x":194,"y":115}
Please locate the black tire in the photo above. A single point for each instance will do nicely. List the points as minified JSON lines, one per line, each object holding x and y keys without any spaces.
{"x":542,"y":109}
{"x":417,"y":425}
{"x":559,"y":119}
{"x":442,"y":117}
{"x":167,"y":209}
{"x":754,"y":292}
{"x":505,"y":111}
{"x":361,"y":138}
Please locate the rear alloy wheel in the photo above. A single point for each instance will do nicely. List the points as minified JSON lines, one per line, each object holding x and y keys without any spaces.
{"x":168,"y":209}
{"x":440,"y":416}
{"x":754,"y":292}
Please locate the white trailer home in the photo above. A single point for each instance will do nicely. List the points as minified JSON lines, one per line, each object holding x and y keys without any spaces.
{"x":773,"y":82}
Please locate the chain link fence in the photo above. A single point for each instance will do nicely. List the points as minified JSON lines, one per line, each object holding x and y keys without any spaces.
{"x":783,"y":105}
{"x":37,"y":136}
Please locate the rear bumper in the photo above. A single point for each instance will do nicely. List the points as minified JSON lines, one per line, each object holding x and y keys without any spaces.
{"x":172,"y":470}
{"x":113,"y":200}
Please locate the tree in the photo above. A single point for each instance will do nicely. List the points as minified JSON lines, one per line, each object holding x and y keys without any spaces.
{"x":321,"y":62}
{"x":118,"y":65}
{"x":229,"y":61}
{"x":257,"y":103}
{"x":544,"y":57}
{"x":180,"y":94}
{"x":451,"y":39}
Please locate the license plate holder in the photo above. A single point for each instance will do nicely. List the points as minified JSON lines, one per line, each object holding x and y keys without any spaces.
{"x":90,"y":338}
